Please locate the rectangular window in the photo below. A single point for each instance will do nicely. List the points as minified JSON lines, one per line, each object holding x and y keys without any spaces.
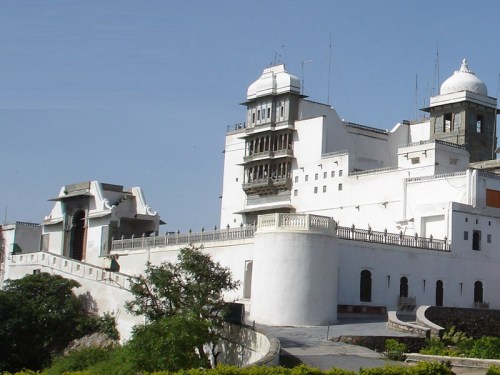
{"x":268,"y":112}
{"x":447,"y":123}
{"x":479,"y":124}
{"x":316,"y":176}
{"x":307,"y":177}
{"x":324,"y":188}
{"x":488,"y":238}
{"x":415,"y":160}
{"x":258,"y":115}
{"x":282,"y":110}
{"x":315,"y":190}
{"x":466,"y":236}
{"x":295,"y":192}
{"x":253,"y":118}
{"x":340,"y":173}
{"x":333,"y":174}
{"x":325,"y":174}
{"x":296,"y":178}
{"x":340,"y":187}
{"x":453,"y":161}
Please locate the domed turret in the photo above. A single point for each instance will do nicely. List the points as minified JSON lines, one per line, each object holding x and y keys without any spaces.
{"x":274,"y":80}
{"x":463,"y":80}
{"x":465,"y":115}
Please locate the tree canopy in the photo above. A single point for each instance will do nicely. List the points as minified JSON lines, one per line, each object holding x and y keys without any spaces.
{"x":184,"y":305}
{"x":194,"y":285}
{"x":40,"y":315}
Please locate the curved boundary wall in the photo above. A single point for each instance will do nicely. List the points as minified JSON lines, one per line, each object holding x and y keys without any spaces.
{"x":246,"y":346}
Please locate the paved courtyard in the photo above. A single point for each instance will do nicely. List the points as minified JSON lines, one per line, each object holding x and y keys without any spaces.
{"x":312,"y":345}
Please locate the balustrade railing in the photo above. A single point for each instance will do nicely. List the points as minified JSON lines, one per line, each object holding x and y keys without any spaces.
{"x":64,"y":265}
{"x":283,"y":220}
{"x":171,"y":239}
{"x":398,"y":239}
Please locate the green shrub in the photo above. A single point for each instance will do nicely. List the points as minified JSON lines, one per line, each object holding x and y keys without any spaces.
{"x":338,"y":371}
{"x":119,"y":363}
{"x":78,"y":360}
{"x":493,"y":370}
{"x":437,"y":347}
{"x":395,"y":350}
{"x":458,"y":339}
{"x":422,"y":368}
{"x":486,"y":348}
{"x":430,"y":368}
{"x":386,"y":370}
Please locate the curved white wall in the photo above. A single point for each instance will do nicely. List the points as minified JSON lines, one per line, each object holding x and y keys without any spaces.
{"x":295,"y":278}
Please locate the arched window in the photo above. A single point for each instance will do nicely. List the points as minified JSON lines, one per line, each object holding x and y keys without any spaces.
{"x":403,"y":287}
{"x":476,"y":240}
{"x":439,"y":293}
{"x":478,"y":292}
{"x":365,"y":288}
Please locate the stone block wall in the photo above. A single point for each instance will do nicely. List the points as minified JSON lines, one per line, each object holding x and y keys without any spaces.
{"x":474,"y":322}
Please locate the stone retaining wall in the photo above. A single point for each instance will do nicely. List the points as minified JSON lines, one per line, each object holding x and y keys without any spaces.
{"x":474,"y":322}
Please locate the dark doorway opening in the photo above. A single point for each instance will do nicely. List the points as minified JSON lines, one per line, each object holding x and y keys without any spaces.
{"x":365,"y":290}
{"x":77,"y":246}
{"x":439,"y":293}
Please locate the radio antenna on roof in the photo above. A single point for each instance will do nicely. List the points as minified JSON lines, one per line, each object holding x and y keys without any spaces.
{"x":329,"y":69}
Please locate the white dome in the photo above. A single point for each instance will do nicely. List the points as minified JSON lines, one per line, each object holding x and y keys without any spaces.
{"x":274,"y":80}
{"x":463,"y":80}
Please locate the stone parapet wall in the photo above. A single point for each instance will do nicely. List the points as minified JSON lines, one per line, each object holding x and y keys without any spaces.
{"x":393,"y":322}
{"x":474,"y":322}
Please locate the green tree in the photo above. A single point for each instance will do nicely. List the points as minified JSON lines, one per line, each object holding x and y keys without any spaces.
{"x":168,"y":344}
{"x":39,"y":315}
{"x":194,"y":285}
{"x":186,"y":296}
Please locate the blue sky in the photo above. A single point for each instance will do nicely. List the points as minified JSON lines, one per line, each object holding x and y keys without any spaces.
{"x":140,"y":93}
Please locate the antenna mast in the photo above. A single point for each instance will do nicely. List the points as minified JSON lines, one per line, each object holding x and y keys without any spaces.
{"x":416,"y":96}
{"x":436,"y":68}
{"x":304,"y":62}
{"x":329,"y":68}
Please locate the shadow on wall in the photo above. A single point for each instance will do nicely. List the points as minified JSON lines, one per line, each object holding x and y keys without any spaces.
{"x":244,"y":346}
{"x":88,"y":303}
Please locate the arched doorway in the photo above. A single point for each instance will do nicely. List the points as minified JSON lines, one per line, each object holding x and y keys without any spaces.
{"x":403,"y":287}
{"x":76,"y":245}
{"x":439,"y":293}
{"x":365,"y":287}
{"x":478,"y":292}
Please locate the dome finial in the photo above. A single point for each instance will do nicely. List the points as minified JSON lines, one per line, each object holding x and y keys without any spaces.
{"x":464,"y":68}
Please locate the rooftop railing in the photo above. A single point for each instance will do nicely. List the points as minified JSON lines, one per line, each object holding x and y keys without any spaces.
{"x":396,"y":239}
{"x":172,"y":239}
{"x":284,"y":221}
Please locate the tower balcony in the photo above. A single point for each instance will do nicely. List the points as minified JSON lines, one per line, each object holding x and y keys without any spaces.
{"x":268,"y":155}
{"x":267,"y":185}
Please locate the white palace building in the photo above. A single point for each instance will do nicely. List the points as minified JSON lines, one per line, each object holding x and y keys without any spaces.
{"x":319,"y":216}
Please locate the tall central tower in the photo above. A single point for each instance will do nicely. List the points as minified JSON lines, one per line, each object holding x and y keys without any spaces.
{"x":259,"y":156}
{"x":464,"y":114}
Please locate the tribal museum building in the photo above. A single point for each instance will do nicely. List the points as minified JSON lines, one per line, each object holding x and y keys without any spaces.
{"x":319,"y":216}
